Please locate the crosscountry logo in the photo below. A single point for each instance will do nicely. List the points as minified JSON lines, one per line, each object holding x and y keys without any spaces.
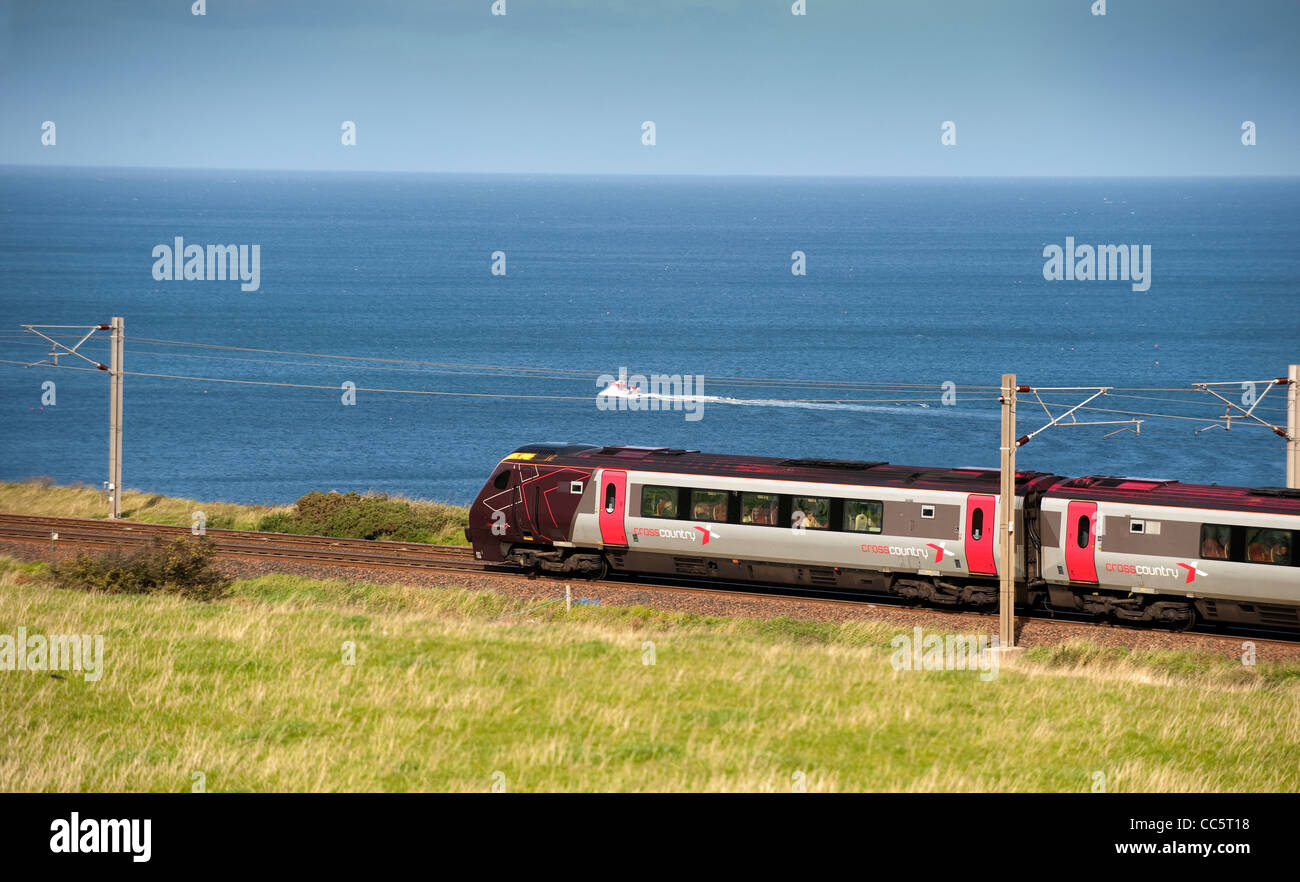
{"x":708,"y":534}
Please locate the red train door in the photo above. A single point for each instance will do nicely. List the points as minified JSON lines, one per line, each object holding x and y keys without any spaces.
{"x":1081,"y":541}
{"x":981,"y":527}
{"x":612,"y":499}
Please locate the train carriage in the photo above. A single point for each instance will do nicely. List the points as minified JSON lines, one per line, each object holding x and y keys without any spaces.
{"x":1143,"y":549}
{"x":923,"y":533}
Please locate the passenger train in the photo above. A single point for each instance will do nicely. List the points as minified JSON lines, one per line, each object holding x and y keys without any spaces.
{"x":1131,"y":549}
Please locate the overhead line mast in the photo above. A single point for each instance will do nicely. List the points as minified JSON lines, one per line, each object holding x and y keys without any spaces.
{"x":1293,"y":428}
{"x":115,"y":370}
{"x":1007,"y":515}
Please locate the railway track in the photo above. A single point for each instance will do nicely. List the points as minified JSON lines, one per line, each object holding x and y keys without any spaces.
{"x":94,"y":533}
{"x":364,"y":553}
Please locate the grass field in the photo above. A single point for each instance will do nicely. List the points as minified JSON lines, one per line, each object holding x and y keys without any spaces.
{"x":445,"y":523}
{"x":42,"y":497}
{"x":455,"y":690}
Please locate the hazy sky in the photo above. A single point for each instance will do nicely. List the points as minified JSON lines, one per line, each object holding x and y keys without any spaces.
{"x":1035,"y":87}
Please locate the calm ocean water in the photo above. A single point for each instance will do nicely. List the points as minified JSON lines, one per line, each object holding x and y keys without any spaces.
{"x":908,"y":281}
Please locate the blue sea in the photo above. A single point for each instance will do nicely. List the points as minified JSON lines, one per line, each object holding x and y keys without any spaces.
{"x":908,"y":281}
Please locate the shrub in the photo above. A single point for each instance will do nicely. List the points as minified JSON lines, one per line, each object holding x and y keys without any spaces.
{"x":372,"y":516}
{"x":185,"y":566}
{"x":221,"y":522}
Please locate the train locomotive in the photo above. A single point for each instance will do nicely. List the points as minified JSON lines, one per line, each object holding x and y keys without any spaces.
{"x":1132,"y":549}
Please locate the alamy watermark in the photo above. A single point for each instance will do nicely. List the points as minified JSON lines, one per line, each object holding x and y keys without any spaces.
{"x":179,"y":262}
{"x":945,"y":652}
{"x":78,"y":835}
{"x":1102,"y":263}
{"x":683,"y":392}
{"x":54,"y":652}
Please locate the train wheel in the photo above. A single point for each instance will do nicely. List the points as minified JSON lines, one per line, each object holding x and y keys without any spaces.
{"x":1186,"y":625}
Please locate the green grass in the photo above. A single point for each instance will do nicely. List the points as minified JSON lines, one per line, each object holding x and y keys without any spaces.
{"x":452,"y":686}
{"x":413,"y":520}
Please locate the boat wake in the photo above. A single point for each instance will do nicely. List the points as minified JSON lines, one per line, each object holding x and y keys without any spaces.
{"x":639,"y":400}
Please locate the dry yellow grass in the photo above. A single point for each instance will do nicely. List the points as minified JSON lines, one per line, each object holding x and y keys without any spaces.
{"x":446,"y":693}
{"x":42,"y":497}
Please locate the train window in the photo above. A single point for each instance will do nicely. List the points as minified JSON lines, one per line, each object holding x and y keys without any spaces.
{"x":1216,"y":542}
{"x":709,"y":505}
{"x":575,"y":487}
{"x":1085,"y":531}
{"x":759,"y":508}
{"x":611,"y":490}
{"x":811,"y":512}
{"x":658,"y":502}
{"x":1137,"y":526}
{"x":977,"y":525}
{"x":1268,"y":546}
{"x":927,"y":511}
{"x":502,"y":480}
{"x":863,"y":517}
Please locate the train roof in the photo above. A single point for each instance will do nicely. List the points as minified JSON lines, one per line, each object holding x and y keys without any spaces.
{"x":825,"y":471}
{"x":1152,"y":491}
{"x":1098,"y":488}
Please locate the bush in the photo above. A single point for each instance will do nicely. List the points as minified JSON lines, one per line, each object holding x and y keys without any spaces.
{"x":221,"y":522}
{"x":372,"y":516}
{"x":184,"y":566}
